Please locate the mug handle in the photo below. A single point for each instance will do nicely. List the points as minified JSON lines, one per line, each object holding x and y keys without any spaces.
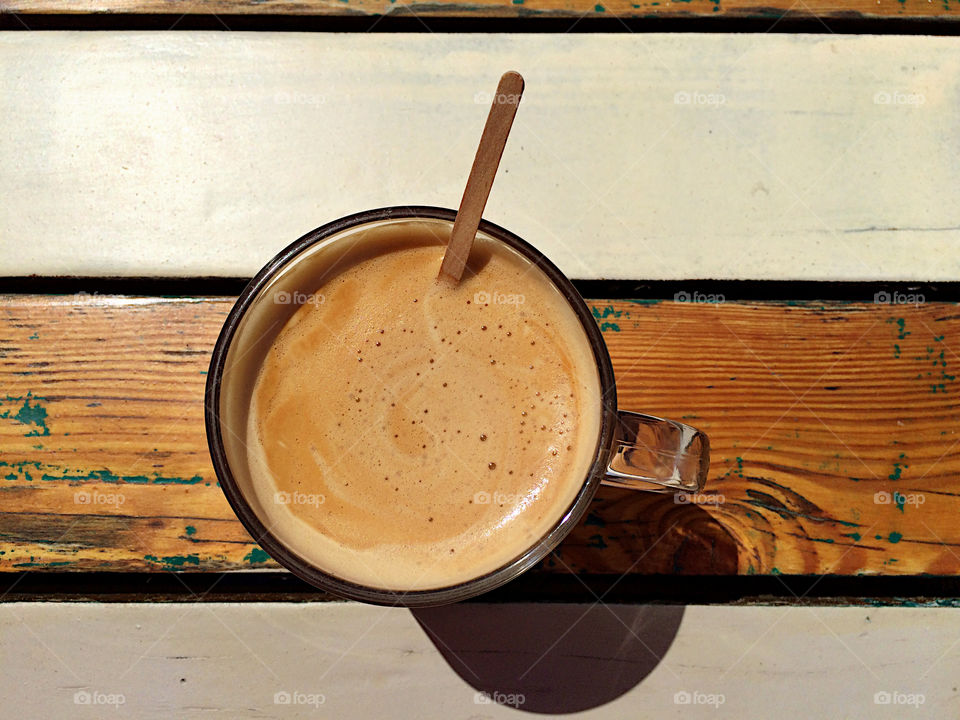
{"x":657,"y":455}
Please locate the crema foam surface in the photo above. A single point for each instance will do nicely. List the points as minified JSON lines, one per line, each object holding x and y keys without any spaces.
{"x":405,"y":434}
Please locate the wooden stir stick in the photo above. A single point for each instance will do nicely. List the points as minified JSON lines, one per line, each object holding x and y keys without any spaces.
{"x":492,"y":142}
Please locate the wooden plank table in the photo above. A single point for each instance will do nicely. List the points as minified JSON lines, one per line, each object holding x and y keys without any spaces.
{"x":834,"y":432}
{"x":533,"y":9}
{"x":823,"y":560}
{"x":169,"y":659}
{"x":678,"y":156}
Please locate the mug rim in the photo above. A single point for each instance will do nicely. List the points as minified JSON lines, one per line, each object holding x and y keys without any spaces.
{"x":323,"y":580}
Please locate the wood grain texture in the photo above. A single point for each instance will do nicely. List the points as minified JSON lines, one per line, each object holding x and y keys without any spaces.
{"x":573,"y":9}
{"x":812,"y":409}
{"x":654,"y":156}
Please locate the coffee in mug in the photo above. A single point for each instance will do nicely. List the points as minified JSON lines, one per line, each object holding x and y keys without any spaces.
{"x":397,"y":439}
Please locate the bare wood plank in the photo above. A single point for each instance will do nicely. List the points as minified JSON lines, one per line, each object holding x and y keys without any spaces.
{"x":734,"y":156}
{"x":812,"y":409}
{"x":348,"y":660}
{"x":827,"y":9}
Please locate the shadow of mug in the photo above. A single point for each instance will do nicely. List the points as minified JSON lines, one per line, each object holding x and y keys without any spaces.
{"x":551,"y":658}
{"x":560,"y":657}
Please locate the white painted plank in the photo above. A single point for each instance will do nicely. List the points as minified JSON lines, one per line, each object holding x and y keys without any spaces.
{"x":829,"y":157}
{"x":344,"y":660}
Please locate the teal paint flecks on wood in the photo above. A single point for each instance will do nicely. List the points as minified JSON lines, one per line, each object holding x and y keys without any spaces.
{"x":606,"y":312}
{"x":174,"y":562}
{"x":255,"y":556}
{"x":898,"y":468}
{"x":938,"y":377}
{"x":33,"y":416}
{"x":940,"y":367}
{"x":901,"y":329}
{"x":56,"y":473}
{"x":911,"y":602}
{"x":738,"y":470}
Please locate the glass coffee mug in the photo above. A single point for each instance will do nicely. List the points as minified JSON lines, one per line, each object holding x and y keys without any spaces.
{"x":633,"y":451}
